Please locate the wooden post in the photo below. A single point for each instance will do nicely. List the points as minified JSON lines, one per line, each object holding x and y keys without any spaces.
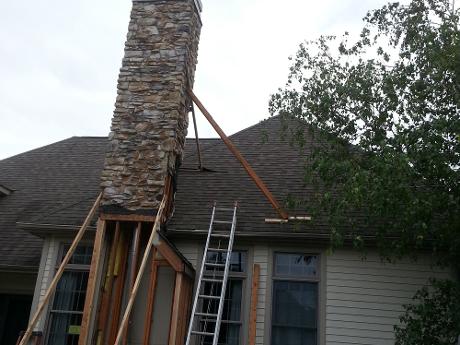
{"x":176,"y":315}
{"x":107,"y":286}
{"x":59,"y":272}
{"x":119,"y":274}
{"x":133,"y":270}
{"x":254,"y":300}
{"x":137,"y":283}
{"x":92,"y":280}
{"x":150,"y":298}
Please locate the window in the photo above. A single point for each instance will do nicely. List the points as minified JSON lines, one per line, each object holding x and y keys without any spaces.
{"x":230,"y":329}
{"x":69,"y":298}
{"x":295,"y":299}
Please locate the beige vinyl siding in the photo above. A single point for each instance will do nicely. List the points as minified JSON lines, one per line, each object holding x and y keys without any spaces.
{"x":261,"y":257}
{"x":191,"y":250}
{"x":364,"y":298}
{"x":46,"y":272}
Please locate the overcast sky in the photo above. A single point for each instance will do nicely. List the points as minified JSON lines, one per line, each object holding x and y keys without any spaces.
{"x":59,"y":61}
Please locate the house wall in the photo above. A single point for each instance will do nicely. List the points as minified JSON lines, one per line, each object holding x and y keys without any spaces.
{"x":365,"y":298}
{"x":359,"y":301}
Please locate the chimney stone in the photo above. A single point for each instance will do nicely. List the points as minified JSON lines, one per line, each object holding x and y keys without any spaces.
{"x":149,"y":124}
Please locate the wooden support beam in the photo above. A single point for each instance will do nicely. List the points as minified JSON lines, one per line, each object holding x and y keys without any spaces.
{"x":127,"y":217}
{"x":134,"y":256}
{"x":150,"y":298}
{"x":176,"y":315}
{"x":107,"y":287}
{"x":59,"y":272}
{"x":169,"y":254}
{"x":92,"y":281}
{"x":252,"y":174}
{"x":119,"y":276}
{"x":254,"y":301}
{"x":137,"y":283}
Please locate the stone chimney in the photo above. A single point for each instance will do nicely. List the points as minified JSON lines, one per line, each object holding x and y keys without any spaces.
{"x":150,"y":120}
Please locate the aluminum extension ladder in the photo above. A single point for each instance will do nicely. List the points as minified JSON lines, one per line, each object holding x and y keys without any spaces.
{"x":208,"y":304}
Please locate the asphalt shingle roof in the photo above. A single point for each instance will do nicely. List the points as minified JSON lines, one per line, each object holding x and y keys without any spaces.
{"x":58,"y":183}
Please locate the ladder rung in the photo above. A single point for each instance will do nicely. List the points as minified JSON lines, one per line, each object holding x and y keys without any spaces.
{"x":224,"y":209}
{"x":220,"y":235}
{"x":217,"y":250}
{"x":209,"y":297}
{"x":214,"y":265}
{"x":203,"y":333}
{"x":212,"y":280}
{"x":206,"y":314}
{"x":222,"y":222}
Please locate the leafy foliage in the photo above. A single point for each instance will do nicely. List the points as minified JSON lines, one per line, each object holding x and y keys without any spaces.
{"x":433,"y":319}
{"x":388,"y":107}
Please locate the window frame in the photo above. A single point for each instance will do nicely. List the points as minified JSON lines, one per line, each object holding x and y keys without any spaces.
{"x":318,"y":279}
{"x":69,"y":267}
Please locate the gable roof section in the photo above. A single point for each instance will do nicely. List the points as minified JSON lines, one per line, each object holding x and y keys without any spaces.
{"x":61,"y":178}
{"x":56,"y":185}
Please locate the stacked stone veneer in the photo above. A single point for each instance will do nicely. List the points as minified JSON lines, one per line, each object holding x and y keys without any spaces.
{"x":150,"y":120}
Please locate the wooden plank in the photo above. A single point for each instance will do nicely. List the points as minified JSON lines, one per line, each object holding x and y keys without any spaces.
{"x":186,"y":307}
{"x":107,"y":288}
{"x":176,"y":315}
{"x":59,"y":272}
{"x":252,"y":174}
{"x":170,"y":255}
{"x":150,"y":299}
{"x":127,"y":217}
{"x":254,"y":300}
{"x":119,"y":274}
{"x":137,"y":283}
{"x":92,"y":280}
{"x":134,"y":257}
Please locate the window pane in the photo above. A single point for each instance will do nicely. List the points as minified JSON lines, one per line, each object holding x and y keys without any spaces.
{"x":81,"y":256}
{"x":229,"y":334}
{"x":64,"y":329}
{"x":71,"y":291}
{"x":237,"y":261}
{"x":298,"y":265}
{"x":232,"y":303}
{"x":293,"y":336}
{"x":294,"y":313}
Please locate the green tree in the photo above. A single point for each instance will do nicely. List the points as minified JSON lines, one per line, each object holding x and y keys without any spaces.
{"x":388,"y":108}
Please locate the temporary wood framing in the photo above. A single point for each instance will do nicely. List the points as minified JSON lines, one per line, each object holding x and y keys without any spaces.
{"x":107,"y":291}
{"x":119,"y":273}
{"x":92,"y":280}
{"x":137,"y":283}
{"x":178,"y":314}
{"x":127,"y":217}
{"x":169,"y":254}
{"x":252,"y":174}
{"x":150,"y":298}
{"x":254,"y":301}
{"x":59,"y":272}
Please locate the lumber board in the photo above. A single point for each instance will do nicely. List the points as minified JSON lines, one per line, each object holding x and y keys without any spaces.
{"x":150,"y":299}
{"x":92,"y":280}
{"x":254,"y":301}
{"x":60,"y":271}
{"x":176,"y":315}
{"x":107,"y":288}
{"x":119,"y":284}
{"x":127,"y":217}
